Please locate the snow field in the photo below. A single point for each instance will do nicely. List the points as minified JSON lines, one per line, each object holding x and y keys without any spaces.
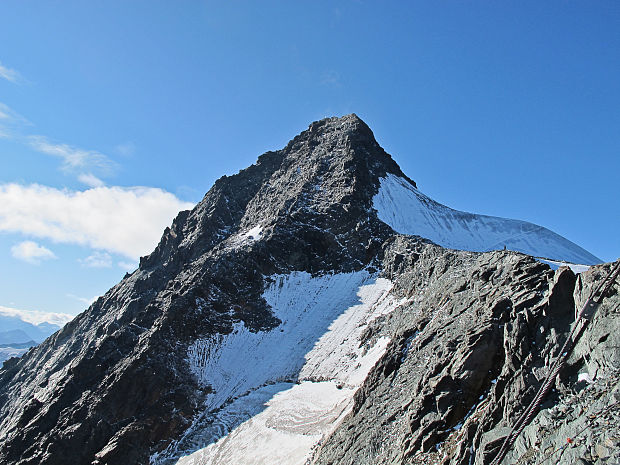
{"x":277,"y":393}
{"x":317,"y":340}
{"x":406,"y":210}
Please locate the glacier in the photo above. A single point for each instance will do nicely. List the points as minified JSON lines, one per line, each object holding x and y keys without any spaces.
{"x":408,"y":211}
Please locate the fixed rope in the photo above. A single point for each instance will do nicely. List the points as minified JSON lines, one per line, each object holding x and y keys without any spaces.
{"x":583,"y":318}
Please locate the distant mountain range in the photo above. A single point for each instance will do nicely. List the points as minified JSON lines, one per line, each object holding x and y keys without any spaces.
{"x":22,"y":329}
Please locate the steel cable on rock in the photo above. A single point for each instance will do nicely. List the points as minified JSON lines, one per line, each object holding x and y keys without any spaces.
{"x":556,"y":366}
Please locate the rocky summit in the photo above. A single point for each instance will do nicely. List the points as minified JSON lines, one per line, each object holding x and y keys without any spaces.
{"x":317,"y":308}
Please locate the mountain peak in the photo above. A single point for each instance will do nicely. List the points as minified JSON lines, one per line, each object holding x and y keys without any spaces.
{"x":325,"y":175}
{"x":350,"y":124}
{"x":341,"y":136}
{"x":272,"y":255}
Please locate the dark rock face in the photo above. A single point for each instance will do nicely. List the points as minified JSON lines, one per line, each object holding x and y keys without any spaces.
{"x":469,"y":350}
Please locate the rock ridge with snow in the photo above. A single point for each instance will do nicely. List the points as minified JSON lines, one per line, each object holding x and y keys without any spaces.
{"x":313,"y":308}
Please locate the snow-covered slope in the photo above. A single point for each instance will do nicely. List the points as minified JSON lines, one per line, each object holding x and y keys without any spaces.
{"x":408,"y":211}
{"x":277,"y":393}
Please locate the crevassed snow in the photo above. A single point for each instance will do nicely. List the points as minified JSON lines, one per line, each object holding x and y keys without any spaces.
{"x":310,"y":365}
{"x":408,"y":211}
{"x":284,"y":422}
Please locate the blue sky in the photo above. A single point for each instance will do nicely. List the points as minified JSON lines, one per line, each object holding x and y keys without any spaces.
{"x":501,"y":108}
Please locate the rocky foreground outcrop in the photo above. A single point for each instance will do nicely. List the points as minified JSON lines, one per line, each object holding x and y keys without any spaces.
{"x":468,"y":355}
{"x":459,"y":341}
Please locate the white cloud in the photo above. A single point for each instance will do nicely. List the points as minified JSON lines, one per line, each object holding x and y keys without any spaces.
{"x":97,"y":260}
{"x":128,"y":221}
{"x":36,"y":317}
{"x":90,"y":180}
{"x":73,"y":158}
{"x":9,"y":74}
{"x":31,"y":252}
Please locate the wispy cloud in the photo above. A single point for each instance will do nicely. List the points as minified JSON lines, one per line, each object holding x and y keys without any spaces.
{"x":127,"y":266}
{"x":84,"y":300}
{"x":97,"y":260}
{"x":10,"y":121}
{"x":127,"y":149}
{"x":87,"y":165}
{"x":127,"y":221}
{"x":73,"y":159}
{"x":90,"y":180}
{"x":9,"y":74}
{"x":5,"y":112}
{"x":31,"y":252}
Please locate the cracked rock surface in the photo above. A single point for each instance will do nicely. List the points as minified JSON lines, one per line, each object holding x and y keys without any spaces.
{"x":467,"y":357}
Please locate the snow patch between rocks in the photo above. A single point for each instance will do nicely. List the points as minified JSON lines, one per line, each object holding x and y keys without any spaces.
{"x":408,"y":211}
{"x":277,"y":393}
{"x":251,"y":235}
{"x":574,"y":267}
